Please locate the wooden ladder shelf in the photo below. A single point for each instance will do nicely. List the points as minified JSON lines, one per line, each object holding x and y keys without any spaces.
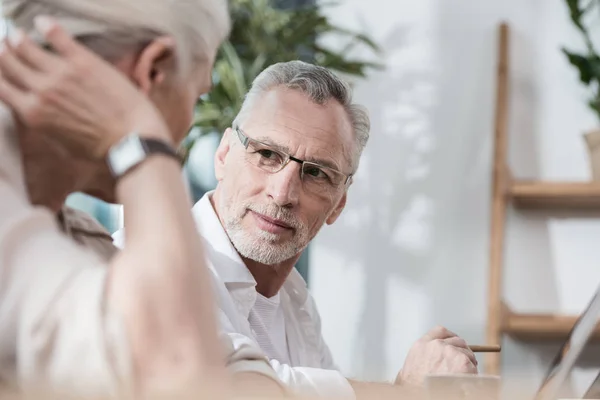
{"x":564,"y":196}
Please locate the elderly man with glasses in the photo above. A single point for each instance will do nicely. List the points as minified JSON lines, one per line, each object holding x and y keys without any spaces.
{"x":283,"y":171}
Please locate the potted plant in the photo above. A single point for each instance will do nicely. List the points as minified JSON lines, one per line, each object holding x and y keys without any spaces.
{"x":262,"y":34}
{"x":588,"y":65}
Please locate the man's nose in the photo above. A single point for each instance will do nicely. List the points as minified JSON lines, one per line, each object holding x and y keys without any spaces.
{"x":284,"y":186}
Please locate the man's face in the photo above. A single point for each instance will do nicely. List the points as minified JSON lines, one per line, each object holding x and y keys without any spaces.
{"x":269,"y":216}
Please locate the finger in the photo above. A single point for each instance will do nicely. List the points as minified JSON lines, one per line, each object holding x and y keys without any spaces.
{"x":13,"y":97}
{"x":470,"y":355}
{"x":457,"y":342}
{"x":439,"y":332}
{"x":32,"y":53}
{"x":56,"y":36}
{"x":15,"y":71}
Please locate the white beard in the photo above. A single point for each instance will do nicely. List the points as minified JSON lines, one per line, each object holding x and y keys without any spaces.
{"x":261,"y":246}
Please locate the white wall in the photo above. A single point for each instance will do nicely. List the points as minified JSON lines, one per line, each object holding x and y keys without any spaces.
{"x":411,"y":249}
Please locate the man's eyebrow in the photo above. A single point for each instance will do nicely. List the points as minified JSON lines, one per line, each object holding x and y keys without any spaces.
{"x":285,"y":149}
{"x":324,"y":163}
{"x":276,"y":146}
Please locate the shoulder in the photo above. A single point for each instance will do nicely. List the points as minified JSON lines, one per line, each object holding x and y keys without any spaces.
{"x":87,"y":231}
{"x":81,"y":221}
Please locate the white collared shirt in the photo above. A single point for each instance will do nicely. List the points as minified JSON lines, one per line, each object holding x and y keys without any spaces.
{"x":311,"y":370}
{"x":267,"y":321}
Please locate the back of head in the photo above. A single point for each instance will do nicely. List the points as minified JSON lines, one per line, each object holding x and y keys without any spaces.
{"x":320,"y":85}
{"x":113,"y":26}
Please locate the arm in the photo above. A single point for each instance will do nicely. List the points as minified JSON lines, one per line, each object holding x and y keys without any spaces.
{"x":248,"y":368}
{"x":159,"y":284}
{"x":62,"y":304}
{"x":156,"y":293}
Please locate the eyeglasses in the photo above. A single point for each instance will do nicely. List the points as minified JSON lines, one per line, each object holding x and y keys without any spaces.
{"x":316,"y":178}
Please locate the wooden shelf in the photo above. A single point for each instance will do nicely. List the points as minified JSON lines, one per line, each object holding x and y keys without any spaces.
{"x":541,"y":327}
{"x":581,"y":198}
{"x":556,"y":195}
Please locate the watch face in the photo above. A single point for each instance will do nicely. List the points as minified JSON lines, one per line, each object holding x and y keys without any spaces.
{"x":126,"y":154}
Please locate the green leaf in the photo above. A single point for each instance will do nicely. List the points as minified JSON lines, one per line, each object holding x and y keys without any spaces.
{"x":576,"y":13}
{"x":262,"y":35}
{"x":588,"y":66}
{"x":257,"y":66}
{"x":358,"y":37}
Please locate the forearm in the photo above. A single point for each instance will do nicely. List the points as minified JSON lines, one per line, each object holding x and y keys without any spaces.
{"x":159,"y":282}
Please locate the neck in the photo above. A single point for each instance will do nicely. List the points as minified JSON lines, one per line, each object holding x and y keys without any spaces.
{"x":46,"y":188}
{"x":49,"y":174}
{"x":269,"y":278}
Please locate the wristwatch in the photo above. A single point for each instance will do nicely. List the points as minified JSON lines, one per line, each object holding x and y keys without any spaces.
{"x":132,"y":150}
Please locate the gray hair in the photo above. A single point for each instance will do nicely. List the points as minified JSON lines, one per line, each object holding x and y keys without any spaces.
{"x":320,"y":85}
{"x":112,"y":27}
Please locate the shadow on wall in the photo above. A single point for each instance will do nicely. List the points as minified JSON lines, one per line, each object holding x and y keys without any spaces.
{"x":388,"y":225}
{"x":417,"y":218}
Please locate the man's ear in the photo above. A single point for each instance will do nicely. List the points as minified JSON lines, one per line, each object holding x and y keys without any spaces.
{"x":338,"y":209}
{"x":221,"y":154}
{"x":153,"y":63}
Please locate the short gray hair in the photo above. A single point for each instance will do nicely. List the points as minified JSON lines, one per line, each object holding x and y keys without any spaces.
{"x":111,"y":27}
{"x":320,"y":85}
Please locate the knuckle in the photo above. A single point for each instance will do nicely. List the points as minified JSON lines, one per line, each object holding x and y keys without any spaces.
{"x":45,"y":96}
{"x":449,"y":351}
{"x":439,"y":330}
{"x":464,"y":363}
{"x":80,"y":65}
{"x":17,"y":47}
{"x":31,"y":115}
{"x":67,"y":72}
{"x":465,"y":360}
{"x":54,"y":33}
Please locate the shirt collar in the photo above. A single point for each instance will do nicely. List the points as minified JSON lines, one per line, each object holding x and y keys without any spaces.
{"x":74,"y":221}
{"x":225,"y":258}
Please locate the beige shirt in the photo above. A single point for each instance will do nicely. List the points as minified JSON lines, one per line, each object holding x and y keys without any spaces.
{"x":55,"y":327}
{"x":87,"y":231}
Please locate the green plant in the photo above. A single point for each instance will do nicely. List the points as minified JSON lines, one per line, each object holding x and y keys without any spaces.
{"x":588,"y":63}
{"x":263,"y":34}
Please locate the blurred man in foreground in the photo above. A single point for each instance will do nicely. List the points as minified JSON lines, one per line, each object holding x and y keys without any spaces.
{"x":142,"y":321}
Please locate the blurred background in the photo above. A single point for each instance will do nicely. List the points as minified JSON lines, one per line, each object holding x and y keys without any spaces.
{"x":411,"y":249}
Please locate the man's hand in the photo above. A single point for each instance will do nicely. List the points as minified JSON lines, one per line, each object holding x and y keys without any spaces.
{"x":438,"y":352}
